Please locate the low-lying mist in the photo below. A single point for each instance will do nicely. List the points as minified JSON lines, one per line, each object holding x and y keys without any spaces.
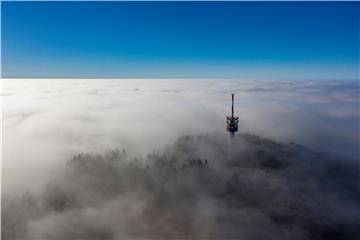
{"x":150,"y":159}
{"x":199,"y":188}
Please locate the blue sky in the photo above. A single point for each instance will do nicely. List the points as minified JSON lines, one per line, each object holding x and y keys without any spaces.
{"x":257,"y":40}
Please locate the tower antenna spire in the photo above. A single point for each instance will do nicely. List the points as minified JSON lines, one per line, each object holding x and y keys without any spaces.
{"x":232,"y":105}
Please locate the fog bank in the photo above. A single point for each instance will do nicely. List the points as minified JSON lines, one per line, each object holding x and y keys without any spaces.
{"x":63,"y":163}
{"x":197,"y":188}
{"x":48,"y":120}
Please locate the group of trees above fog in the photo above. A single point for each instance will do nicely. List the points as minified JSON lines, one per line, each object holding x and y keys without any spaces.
{"x":200,"y":187}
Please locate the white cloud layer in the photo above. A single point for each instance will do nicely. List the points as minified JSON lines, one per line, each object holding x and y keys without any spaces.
{"x":47,"y":121}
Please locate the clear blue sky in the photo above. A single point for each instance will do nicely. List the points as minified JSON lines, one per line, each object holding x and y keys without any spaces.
{"x":271,"y":40}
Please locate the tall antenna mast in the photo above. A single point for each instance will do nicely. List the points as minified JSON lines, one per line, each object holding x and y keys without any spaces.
{"x":232,"y":121}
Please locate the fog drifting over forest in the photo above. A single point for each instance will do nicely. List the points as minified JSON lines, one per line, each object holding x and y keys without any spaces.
{"x":47,"y":122}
